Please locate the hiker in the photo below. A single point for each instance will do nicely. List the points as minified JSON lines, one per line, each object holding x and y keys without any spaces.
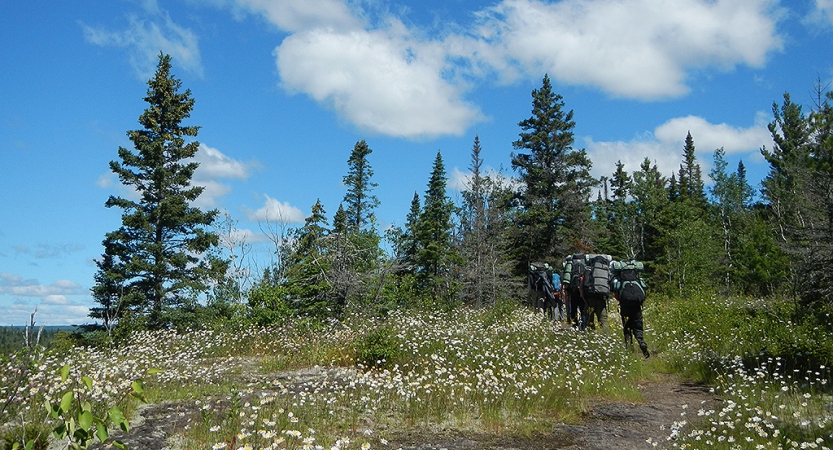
{"x":573,"y":279}
{"x":559,"y":312}
{"x":596,"y":289}
{"x":630,"y":290}
{"x":541,"y":290}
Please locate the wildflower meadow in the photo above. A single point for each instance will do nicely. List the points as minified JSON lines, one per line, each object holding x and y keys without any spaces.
{"x":362,"y":381}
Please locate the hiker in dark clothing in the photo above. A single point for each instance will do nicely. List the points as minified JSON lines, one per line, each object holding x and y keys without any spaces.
{"x":572,"y":280}
{"x":630,"y":290}
{"x":596,"y":310}
{"x":633,"y":326}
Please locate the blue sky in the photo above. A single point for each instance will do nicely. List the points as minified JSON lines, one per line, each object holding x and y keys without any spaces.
{"x":284,"y":89}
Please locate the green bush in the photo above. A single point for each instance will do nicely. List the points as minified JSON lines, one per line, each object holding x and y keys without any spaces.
{"x":33,"y":433}
{"x":378,"y":348}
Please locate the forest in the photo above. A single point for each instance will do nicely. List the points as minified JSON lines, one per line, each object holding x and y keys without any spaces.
{"x":427,"y":324}
{"x":173,"y":265}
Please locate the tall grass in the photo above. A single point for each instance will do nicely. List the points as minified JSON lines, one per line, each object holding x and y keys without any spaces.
{"x":768,"y":365}
{"x":363,"y":381}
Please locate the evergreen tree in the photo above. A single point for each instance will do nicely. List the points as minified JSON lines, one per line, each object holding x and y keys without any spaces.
{"x":435,"y":254}
{"x":161,"y":250}
{"x":622,"y":219}
{"x":556,"y":179}
{"x":688,"y":240}
{"x":340,"y":220}
{"x":786,"y":186}
{"x":650,"y":198}
{"x":307,"y":281}
{"x":690,"y":182}
{"x":360,"y":202}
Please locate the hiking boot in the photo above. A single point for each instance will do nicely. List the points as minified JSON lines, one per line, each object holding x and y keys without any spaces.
{"x":645,"y":351}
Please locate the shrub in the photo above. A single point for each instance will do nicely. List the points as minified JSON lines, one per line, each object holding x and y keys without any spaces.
{"x":378,"y":348}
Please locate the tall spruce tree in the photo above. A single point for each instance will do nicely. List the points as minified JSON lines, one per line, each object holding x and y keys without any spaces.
{"x":359,"y":199}
{"x":435,"y":252}
{"x":622,"y":219}
{"x":161,"y":251}
{"x":556,"y":183}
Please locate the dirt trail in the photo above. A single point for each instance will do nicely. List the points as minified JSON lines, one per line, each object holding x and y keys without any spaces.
{"x":607,"y":425}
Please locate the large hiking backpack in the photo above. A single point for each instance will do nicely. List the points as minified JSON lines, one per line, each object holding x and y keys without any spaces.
{"x":629,"y":286}
{"x":540,"y":281}
{"x":597,"y":275}
{"x":577,"y":266}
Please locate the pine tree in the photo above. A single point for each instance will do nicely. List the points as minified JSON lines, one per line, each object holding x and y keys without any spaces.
{"x":307,"y":281}
{"x":622,"y":219}
{"x":687,"y":239}
{"x":690,"y":181}
{"x":650,"y":200}
{"x":557,"y":182}
{"x":360,"y":202}
{"x":161,"y":250}
{"x":435,"y":253}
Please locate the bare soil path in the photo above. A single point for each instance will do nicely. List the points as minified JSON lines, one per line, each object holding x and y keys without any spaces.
{"x":607,"y":425}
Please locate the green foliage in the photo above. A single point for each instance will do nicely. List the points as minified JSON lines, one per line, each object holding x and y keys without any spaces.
{"x":160,"y":255}
{"x":268,"y":304}
{"x":377,"y":348}
{"x":35,"y":436}
{"x":555,"y":201}
{"x":435,"y":254}
{"x":360,"y":202}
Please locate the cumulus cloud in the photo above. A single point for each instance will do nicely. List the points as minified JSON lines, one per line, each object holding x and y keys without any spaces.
{"x":665,"y":145}
{"x":389,"y":78}
{"x":145,"y":36}
{"x":276,"y":211}
{"x":214,"y":165}
{"x":633,"y":48}
{"x":379,"y":80}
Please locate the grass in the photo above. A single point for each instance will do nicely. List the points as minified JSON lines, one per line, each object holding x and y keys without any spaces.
{"x":358,"y":382}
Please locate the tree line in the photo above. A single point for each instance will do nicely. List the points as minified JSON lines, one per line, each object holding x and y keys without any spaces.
{"x":172,"y":264}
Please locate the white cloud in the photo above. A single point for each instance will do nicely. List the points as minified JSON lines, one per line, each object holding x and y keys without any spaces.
{"x":12,"y":284}
{"x":385,"y":79}
{"x":382,"y":81}
{"x":148,"y":35}
{"x":821,"y":14}
{"x":665,"y":146}
{"x":631,"y":48}
{"x":215,"y":165}
{"x":276,"y":211}
{"x":388,"y":78}
{"x":299,"y":15}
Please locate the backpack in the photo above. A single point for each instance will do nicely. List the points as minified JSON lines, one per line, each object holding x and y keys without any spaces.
{"x":540,"y":280}
{"x":629,"y":286}
{"x":597,"y":275}
{"x":577,"y":266}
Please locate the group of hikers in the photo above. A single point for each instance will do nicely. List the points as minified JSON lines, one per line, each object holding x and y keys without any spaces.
{"x":578,"y":293}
